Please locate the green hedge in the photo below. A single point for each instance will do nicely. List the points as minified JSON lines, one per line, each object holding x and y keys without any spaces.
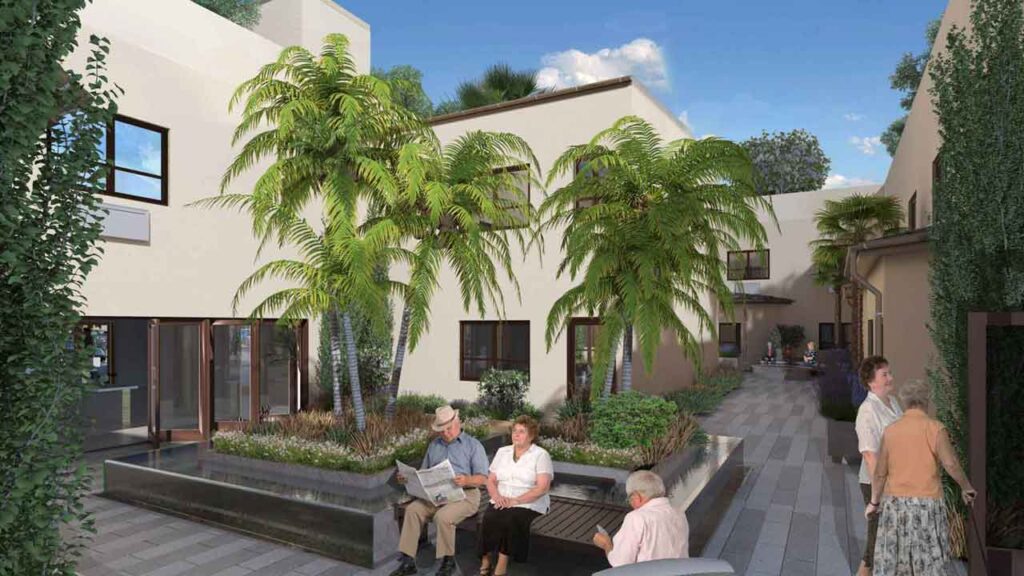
{"x":630,"y":419}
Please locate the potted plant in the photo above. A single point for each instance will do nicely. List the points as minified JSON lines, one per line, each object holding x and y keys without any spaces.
{"x":835,"y":386}
{"x":791,"y":336}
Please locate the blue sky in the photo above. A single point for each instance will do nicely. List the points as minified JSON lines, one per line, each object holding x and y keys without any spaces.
{"x":734,"y":67}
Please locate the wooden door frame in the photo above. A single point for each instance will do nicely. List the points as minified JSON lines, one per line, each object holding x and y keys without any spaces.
{"x":570,"y":365}
{"x":254,"y":370}
{"x":205,"y":408}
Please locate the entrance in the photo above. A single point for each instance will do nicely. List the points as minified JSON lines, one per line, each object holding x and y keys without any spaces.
{"x":583,"y":333}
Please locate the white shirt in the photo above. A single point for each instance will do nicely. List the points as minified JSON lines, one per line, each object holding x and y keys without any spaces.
{"x":517,"y":477}
{"x":873,"y":417}
{"x":654,"y":531}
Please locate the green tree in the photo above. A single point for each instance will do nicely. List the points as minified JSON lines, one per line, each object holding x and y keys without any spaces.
{"x":978,"y":241}
{"x":644,"y":226}
{"x":499,"y":83}
{"x":906,"y":78}
{"x":51,"y":123}
{"x":844,"y":223}
{"x":458,"y":205}
{"x":407,"y":88}
{"x":319,"y":121}
{"x":245,"y":13}
{"x":787,"y":162}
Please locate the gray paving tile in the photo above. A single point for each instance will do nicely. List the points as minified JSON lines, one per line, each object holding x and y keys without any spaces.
{"x":803,"y":539}
{"x":172,"y":569}
{"x":797,"y":568}
{"x":764,"y":489}
{"x":781,"y":448}
{"x":808,"y":498}
{"x":227,"y":548}
{"x":171,"y":545}
{"x":797,"y":450}
{"x":316,"y":567}
{"x":267,"y":558}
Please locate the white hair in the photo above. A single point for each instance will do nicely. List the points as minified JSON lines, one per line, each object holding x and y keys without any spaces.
{"x":915,"y":394}
{"x":646,"y":483}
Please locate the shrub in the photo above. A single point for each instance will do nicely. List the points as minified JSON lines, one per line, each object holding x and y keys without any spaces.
{"x":503,"y":392}
{"x":526,"y":409}
{"x":708,"y":394}
{"x":478,"y":427}
{"x":323,"y":454}
{"x":680,"y":434}
{"x":791,"y":335}
{"x":592,"y":454}
{"x":630,"y":419}
{"x":423,"y":402}
{"x":573,"y":408}
{"x":467,"y":409}
{"x":571,"y":429}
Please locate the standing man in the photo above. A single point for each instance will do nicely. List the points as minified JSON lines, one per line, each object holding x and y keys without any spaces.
{"x":469,"y":460}
{"x":878,"y":411}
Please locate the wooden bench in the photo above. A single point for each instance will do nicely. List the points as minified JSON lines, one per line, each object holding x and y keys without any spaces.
{"x":567,"y":527}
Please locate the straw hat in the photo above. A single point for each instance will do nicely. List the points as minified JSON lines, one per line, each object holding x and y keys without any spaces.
{"x":443,"y":416}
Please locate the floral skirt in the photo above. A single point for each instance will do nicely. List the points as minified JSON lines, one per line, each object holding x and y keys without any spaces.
{"x":913,"y":538}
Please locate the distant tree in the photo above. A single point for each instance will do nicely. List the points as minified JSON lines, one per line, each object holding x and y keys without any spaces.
{"x":906,"y":78}
{"x":787,"y":162}
{"x":242,"y":12}
{"x":500,"y":83}
{"x":447,"y":107}
{"x":407,"y":88}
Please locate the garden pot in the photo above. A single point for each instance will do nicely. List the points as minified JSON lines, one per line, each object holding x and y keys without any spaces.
{"x":842,"y":442}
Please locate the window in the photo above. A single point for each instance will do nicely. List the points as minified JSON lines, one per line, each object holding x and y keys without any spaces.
{"x":487,"y":344}
{"x":870,"y":338}
{"x":515,"y":201}
{"x":826,"y":335}
{"x":912,"y":212}
{"x":586,"y":202}
{"x":936,"y":172}
{"x":748,"y":265}
{"x":729,"y":340}
{"x":139,"y":170}
{"x":98,"y":339}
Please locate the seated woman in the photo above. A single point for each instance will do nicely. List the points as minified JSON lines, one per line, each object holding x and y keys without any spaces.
{"x":810,"y":355}
{"x":518,"y":483}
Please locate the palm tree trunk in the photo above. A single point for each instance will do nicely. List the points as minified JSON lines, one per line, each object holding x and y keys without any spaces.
{"x":353,"y":373}
{"x":609,"y":375}
{"x":857,"y":346}
{"x":336,"y":375}
{"x":627,"y":359}
{"x":837,"y":335}
{"x":396,"y":369}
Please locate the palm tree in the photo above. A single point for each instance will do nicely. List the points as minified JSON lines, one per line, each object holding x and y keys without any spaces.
{"x":829,"y":261}
{"x":318,"y":121}
{"x":644,"y":226}
{"x":500,"y":83}
{"x":338,"y":271}
{"x":460,"y":206}
{"x":844,"y":223}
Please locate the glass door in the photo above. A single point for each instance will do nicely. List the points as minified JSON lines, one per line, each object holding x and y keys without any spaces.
{"x":235,"y":372}
{"x":583,"y":334}
{"x":179,"y":383}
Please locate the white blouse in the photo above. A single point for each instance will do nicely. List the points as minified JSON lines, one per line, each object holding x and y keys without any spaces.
{"x":516,"y":478}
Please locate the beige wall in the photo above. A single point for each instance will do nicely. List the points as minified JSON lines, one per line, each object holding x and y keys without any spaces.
{"x":791,"y":273}
{"x":911,"y":169}
{"x":549,"y":128}
{"x":306,"y":22}
{"x":902,"y":277}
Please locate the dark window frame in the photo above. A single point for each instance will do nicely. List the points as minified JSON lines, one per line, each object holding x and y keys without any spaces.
{"x":112,"y":167}
{"x":749,"y":272}
{"x":582,"y":202}
{"x":870,"y":337}
{"x":827,"y":344}
{"x":737,"y":331}
{"x":912,"y":212}
{"x":496,"y":360}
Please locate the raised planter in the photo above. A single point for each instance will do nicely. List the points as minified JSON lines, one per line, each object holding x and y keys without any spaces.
{"x":1005,"y":561}
{"x":842,"y":442}
{"x":701,"y":480}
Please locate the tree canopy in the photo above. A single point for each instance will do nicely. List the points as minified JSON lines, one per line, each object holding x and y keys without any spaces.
{"x":242,"y":12}
{"x":906,"y":78}
{"x":787,"y":162}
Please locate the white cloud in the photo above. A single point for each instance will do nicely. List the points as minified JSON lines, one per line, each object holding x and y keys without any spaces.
{"x":853,"y":117}
{"x":684,"y":117}
{"x":868,"y":144}
{"x":840,"y":181}
{"x":642,"y":58}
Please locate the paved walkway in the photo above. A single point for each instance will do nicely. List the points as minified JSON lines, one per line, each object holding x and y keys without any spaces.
{"x":796,"y":513}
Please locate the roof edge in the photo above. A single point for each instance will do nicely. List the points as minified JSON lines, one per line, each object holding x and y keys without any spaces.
{"x":535,"y":99}
{"x":917,"y":236}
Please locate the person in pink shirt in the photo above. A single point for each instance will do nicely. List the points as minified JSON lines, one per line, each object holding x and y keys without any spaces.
{"x":654,"y":530}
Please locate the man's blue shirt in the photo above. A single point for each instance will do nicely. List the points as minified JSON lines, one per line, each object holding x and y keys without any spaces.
{"x":466,"y":454}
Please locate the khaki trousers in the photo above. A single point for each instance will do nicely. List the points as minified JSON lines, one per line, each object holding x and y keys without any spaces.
{"x":446,"y":517}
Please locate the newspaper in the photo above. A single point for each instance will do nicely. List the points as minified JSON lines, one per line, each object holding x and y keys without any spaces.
{"x":435,"y":485}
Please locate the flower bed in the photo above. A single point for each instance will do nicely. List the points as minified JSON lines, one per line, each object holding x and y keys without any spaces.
{"x":709,"y":392}
{"x":313,"y":439}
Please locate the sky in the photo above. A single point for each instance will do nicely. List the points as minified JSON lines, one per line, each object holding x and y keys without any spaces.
{"x":729,"y":68}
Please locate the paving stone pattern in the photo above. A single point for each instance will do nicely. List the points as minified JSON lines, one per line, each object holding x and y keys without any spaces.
{"x":796,"y":512}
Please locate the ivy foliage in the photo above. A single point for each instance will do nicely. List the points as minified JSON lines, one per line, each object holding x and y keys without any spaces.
{"x":978,"y":239}
{"x":787,"y":162}
{"x":51,"y":123}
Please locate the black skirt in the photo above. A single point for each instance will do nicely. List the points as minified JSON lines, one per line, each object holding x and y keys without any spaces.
{"x":508,"y":531}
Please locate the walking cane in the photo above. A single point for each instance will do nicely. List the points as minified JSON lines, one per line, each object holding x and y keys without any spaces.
{"x":977,"y":536}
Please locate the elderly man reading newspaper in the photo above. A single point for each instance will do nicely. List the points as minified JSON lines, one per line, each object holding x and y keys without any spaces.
{"x":450,"y":503}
